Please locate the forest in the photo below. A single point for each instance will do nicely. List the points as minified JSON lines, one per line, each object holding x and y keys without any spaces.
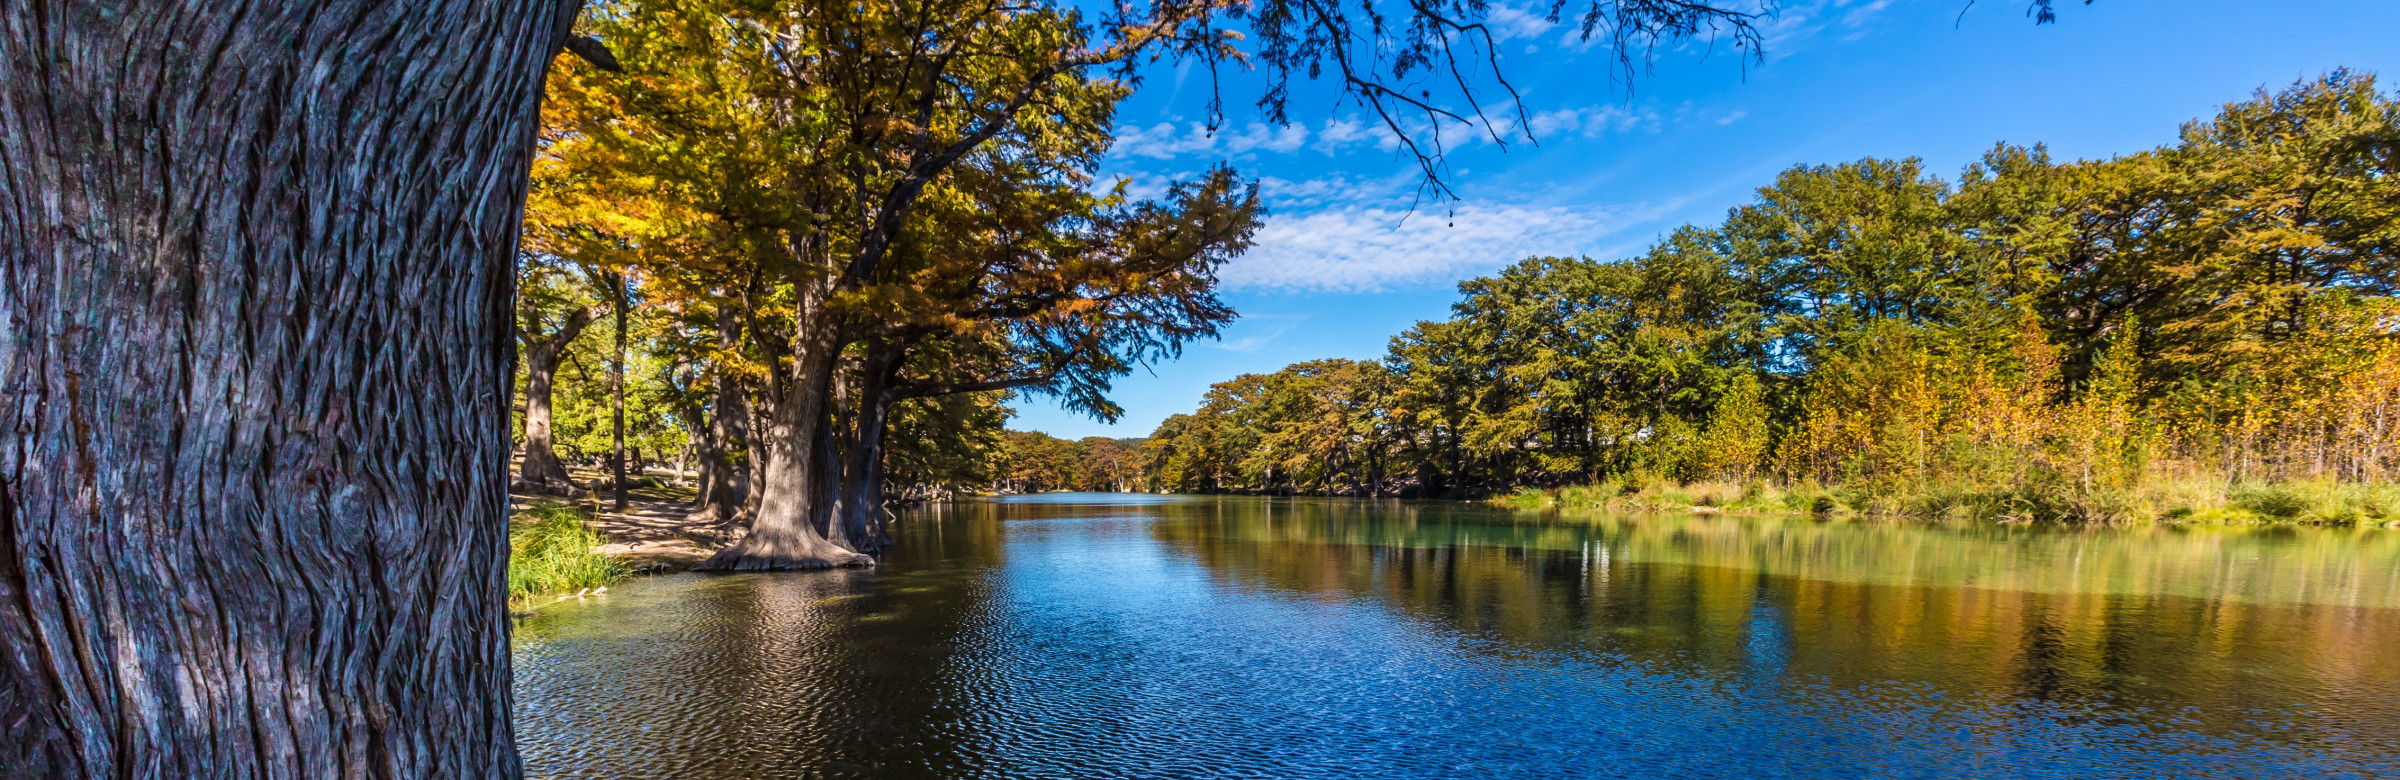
{"x":756,"y":322}
{"x":303,"y":297}
{"x":2161,"y":334}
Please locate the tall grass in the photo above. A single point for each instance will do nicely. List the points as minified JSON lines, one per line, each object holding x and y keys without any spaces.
{"x":550,"y":549}
{"x":2150,"y":501}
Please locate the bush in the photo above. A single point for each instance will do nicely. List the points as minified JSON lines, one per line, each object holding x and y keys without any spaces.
{"x":1590,"y":495}
{"x":1528,"y":498}
{"x":2045,"y":498}
{"x":550,"y":549}
{"x":2282,"y":502}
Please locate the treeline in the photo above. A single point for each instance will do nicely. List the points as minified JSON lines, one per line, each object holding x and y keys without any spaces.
{"x":1033,"y":462}
{"x":822,"y":290}
{"x":2036,"y":338}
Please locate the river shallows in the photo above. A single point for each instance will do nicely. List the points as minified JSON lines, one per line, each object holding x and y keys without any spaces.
{"x":1085,"y":635}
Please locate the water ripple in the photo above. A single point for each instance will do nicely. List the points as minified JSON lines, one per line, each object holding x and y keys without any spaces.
{"x":1075,"y":638}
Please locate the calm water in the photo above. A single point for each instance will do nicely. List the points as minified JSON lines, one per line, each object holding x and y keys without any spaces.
{"x":1073,"y":636}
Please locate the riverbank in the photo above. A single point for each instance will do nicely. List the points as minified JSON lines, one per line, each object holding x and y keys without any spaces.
{"x":2161,"y":502}
{"x":562,"y":546}
{"x":552,"y":548}
{"x":1245,"y":636}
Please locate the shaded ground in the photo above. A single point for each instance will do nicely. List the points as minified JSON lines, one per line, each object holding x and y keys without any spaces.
{"x":650,"y":532}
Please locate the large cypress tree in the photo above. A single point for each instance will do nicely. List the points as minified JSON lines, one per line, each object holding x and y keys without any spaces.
{"x":255,"y":352}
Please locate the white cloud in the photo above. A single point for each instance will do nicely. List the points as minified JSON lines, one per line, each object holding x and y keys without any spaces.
{"x":1339,"y":134}
{"x":1366,"y":249}
{"x":1800,"y":21}
{"x":1338,"y":188}
{"x":1164,"y":141}
{"x":1259,"y":135}
{"x":1260,"y":330}
{"x":1592,"y":122}
{"x":1169,"y":141}
{"x":1508,"y":22}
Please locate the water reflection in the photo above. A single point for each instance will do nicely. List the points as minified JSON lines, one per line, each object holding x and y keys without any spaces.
{"x":1084,"y":637}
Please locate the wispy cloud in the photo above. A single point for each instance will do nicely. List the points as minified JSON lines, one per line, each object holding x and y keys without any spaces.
{"x":1592,"y":121}
{"x":1368,"y":249}
{"x":1338,"y":188}
{"x":1166,"y":140}
{"x":1170,"y":141}
{"x":1509,"y":23}
{"x":1799,"y":22}
{"x":1266,"y":328}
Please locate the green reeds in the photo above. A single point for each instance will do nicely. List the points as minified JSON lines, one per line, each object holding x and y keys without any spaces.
{"x":2159,"y":500}
{"x":551,"y":549}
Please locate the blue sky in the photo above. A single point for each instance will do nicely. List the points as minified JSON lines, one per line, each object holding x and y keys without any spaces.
{"x":1342,"y":265}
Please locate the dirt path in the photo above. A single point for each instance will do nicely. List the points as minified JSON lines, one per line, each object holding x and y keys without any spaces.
{"x":650,"y":532}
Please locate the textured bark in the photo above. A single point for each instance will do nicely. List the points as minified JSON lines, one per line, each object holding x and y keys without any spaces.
{"x":781,"y":534}
{"x":720,"y":498}
{"x":255,"y":368}
{"x":824,"y":486}
{"x":862,"y":476}
{"x":754,"y":468}
{"x":720,"y":495}
{"x":541,"y":470}
{"x":862,"y":498}
{"x":616,"y":388}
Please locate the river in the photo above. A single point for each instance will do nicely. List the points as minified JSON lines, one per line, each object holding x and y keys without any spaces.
{"x":1117,"y":636}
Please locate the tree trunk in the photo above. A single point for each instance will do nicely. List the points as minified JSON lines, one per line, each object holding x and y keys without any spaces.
{"x":754,"y":475}
{"x":862,"y":499}
{"x":824,"y":486}
{"x":781,"y":535}
{"x":862,"y":478}
{"x":618,"y":294}
{"x":720,"y":497}
{"x":255,"y":368}
{"x":541,"y":470}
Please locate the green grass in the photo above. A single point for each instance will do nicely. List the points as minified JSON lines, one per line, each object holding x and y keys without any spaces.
{"x":2161,"y":500}
{"x":2330,"y":503}
{"x":1529,"y":498}
{"x":550,"y":550}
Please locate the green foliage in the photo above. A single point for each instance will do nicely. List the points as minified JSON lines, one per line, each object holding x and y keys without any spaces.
{"x":2092,"y":341}
{"x":947,"y":441}
{"x":2321,"y":502}
{"x":551,"y":549}
{"x":1035,"y":462}
{"x":581,"y":400}
{"x":896,"y":202}
{"x":1324,"y":426}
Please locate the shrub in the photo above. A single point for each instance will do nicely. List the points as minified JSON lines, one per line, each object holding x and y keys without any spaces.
{"x":2282,"y":502}
{"x":550,"y":549}
{"x":1525,"y":498}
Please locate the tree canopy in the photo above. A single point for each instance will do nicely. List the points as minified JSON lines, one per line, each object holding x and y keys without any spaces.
{"x":2223,"y":306}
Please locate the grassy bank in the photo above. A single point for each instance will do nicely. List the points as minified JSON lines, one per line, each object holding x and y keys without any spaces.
{"x":2188,"y":501}
{"x":550,"y":549}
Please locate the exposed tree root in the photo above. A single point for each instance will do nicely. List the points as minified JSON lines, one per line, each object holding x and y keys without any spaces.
{"x":767,"y":551}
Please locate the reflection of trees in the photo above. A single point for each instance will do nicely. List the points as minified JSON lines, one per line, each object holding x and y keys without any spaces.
{"x":2047,"y":614}
{"x":771,"y":675}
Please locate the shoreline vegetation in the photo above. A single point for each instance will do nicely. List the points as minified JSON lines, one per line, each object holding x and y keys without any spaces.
{"x":2325,"y":503}
{"x":2204,"y":332}
{"x":557,"y":549}
{"x":552,"y":549}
